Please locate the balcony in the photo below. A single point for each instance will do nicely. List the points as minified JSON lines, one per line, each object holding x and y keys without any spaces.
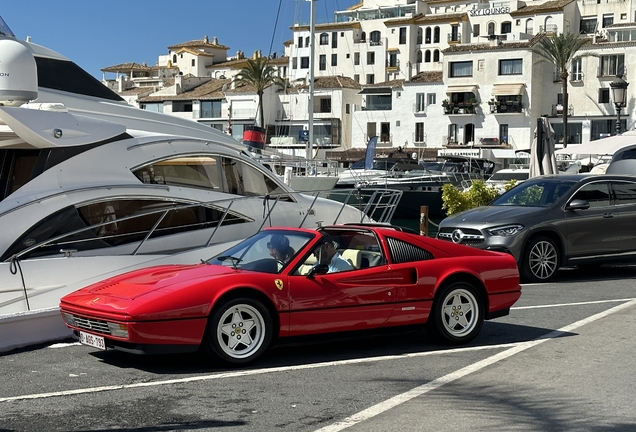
{"x":460,"y":107}
{"x":454,"y":38}
{"x":508,"y":107}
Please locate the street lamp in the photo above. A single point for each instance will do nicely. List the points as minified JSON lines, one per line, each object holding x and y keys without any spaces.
{"x":619,"y":93}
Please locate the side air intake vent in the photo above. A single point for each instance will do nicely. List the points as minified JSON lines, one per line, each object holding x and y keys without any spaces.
{"x":402,"y":252}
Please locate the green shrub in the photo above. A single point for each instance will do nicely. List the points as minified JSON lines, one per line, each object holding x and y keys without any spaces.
{"x":455,"y":200}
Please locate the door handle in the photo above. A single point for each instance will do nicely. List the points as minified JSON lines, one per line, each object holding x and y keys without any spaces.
{"x":608,"y":215}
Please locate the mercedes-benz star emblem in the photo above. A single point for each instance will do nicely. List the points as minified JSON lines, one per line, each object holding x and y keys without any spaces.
{"x":457,"y":236}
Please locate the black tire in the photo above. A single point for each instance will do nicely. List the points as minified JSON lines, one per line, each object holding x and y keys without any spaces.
{"x":457,"y":314}
{"x":540,"y":261}
{"x":238,"y":332}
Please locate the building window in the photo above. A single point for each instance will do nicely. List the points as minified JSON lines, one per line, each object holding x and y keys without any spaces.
{"x":577,"y":70}
{"x":431,"y":99}
{"x":300,"y":42}
{"x":363,"y":37}
{"x":347,"y":109}
{"x":334,"y":59}
{"x":436,"y":55}
{"x":461,"y":69}
{"x":392,"y":60}
{"x":192,"y":63}
{"x":304,"y":62}
{"x":324,"y":39}
{"x":356,"y":58}
{"x":374,"y":37}
{"x":385,"y":132}
{"x":475,"y":30}
{"x":356,"y":78}
{"x":370,"y":58}
{"x":307,"y":41}
{"x":511,"y":67}
{"x":529,"y":26}
{"x":370,"y":78}
{"x":428,"y":35}
{"x":174,"y":59}
{"x":419,"y":56}
{"x":294,"y":62}
{"x":379,"y":102}
{"x":325,"y":105}
{"x":491,"y":28}
{"x":419,"y":36}
{"x":608,"y":20}
{"x":419,"y":132}
{"x":455,"y":35}
{"x":322,"y":62}
{"x":210,"y":109}
{"x":402,"y":35}
{"x":427,"y":56}
{"x":611,"y":65}
{"x":506,"y":27}
{"x":436,"y":33}
{"x":420,"y":102}
{"x":604,"y":95}
{"x":334,"y":40}
{"x":588,"y":25}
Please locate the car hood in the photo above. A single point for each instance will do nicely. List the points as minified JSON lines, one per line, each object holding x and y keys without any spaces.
{"x":133,"y":285}
{"x":489,"y":214}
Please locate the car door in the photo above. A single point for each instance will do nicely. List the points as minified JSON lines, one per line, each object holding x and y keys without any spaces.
{"x":625,"y":196}
{"x":350,"y":300}
{"x":593,"y":231}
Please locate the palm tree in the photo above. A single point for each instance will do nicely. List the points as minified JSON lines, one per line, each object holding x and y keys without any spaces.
{"x":259,"y":74}
{"x":561,"y":50}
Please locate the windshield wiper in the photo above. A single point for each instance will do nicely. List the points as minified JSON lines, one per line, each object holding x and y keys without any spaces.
{"x":235,"y":260}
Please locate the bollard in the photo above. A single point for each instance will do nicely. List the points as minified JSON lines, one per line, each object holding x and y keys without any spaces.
{"x":424,"y":220}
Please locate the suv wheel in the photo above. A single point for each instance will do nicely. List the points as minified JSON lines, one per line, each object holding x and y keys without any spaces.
{"x":540,"y":260}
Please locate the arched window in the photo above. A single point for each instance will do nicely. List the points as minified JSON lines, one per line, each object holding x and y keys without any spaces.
{"x":324,"y":38}
{"x":436,"y":55}
{"x":428,"y":35}
{"x":375,"y":37}
{"x":436,"y":35}
{"x":419,"y":35}
{"x":427,"y":56}
{"x":174,"y":58}
{"x":549,"y":24}
{"x":491,"y":28}
{"x":419,"y":56}
{"x":529,"y":26}
{"x":363,"y":37}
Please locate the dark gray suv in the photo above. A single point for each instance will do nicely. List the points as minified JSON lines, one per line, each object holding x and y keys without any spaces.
{"x":554,"y":221}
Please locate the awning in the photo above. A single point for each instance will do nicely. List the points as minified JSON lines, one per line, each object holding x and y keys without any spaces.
{"x":461,"y":89}
{"x":507,"y":89}
{"x":392,"y":49}
{"x":376,"y":90}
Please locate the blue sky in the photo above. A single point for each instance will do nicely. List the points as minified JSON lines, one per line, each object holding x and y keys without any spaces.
{"x":99,"y":34}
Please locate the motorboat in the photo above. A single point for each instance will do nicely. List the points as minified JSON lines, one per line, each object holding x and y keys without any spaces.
{"x":83,"y":197}
{"x":382,"y":167}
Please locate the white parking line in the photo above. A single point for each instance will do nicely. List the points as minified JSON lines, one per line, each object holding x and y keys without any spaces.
{"x":572,"y":304}
{"x":418,"y":391}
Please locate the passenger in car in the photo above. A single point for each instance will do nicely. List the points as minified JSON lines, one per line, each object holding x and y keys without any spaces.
{"x":326,"y":253}
{"x":280,"y":249}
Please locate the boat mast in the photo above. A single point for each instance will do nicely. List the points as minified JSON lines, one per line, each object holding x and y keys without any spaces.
{"x":312,"y":51}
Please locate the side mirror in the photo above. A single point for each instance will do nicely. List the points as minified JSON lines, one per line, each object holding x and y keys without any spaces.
{"x":318,"y":269}
{"x":578,"y":204}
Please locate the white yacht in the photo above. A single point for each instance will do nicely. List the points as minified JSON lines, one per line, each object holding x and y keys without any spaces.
{"x":82,"y":197}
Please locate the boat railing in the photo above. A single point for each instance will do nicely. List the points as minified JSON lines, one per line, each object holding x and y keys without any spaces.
{"x":379,"y":205}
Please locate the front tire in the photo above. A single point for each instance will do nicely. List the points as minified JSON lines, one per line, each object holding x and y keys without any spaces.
{"x":238,"y":332}
{"x":457,"y":314}
{"x":540,"y":261}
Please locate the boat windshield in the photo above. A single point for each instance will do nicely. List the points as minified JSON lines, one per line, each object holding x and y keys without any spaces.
{"x":538,"y":193}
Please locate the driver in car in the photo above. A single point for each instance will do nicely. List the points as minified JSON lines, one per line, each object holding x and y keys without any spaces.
{"x":326,"y":253}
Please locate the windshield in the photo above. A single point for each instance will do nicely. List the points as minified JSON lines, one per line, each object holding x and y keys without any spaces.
{"x":539,"y":193}
{"x":268,"y":251}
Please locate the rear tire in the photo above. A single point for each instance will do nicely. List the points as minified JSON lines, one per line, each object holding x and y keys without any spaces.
{"x":239,"y":331}
{"x":540,"y":261}
{"x":457,"y":314}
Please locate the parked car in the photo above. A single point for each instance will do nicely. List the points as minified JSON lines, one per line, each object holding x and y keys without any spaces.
{"x":236,"y":305}
{"x":554,"y":221}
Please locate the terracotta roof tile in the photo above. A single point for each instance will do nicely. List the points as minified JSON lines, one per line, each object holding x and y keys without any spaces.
{"x":427,"y":77}
{"x":198,"y":43}
{"x":549,"y":6}
{"x":503,"y":46}
{"x":207,"y":91}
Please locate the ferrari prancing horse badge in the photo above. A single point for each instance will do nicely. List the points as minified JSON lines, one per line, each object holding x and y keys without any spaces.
{"x":279,"y":284}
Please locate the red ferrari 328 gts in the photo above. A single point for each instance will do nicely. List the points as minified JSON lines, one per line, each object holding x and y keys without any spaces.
{"x":290,"y":282}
